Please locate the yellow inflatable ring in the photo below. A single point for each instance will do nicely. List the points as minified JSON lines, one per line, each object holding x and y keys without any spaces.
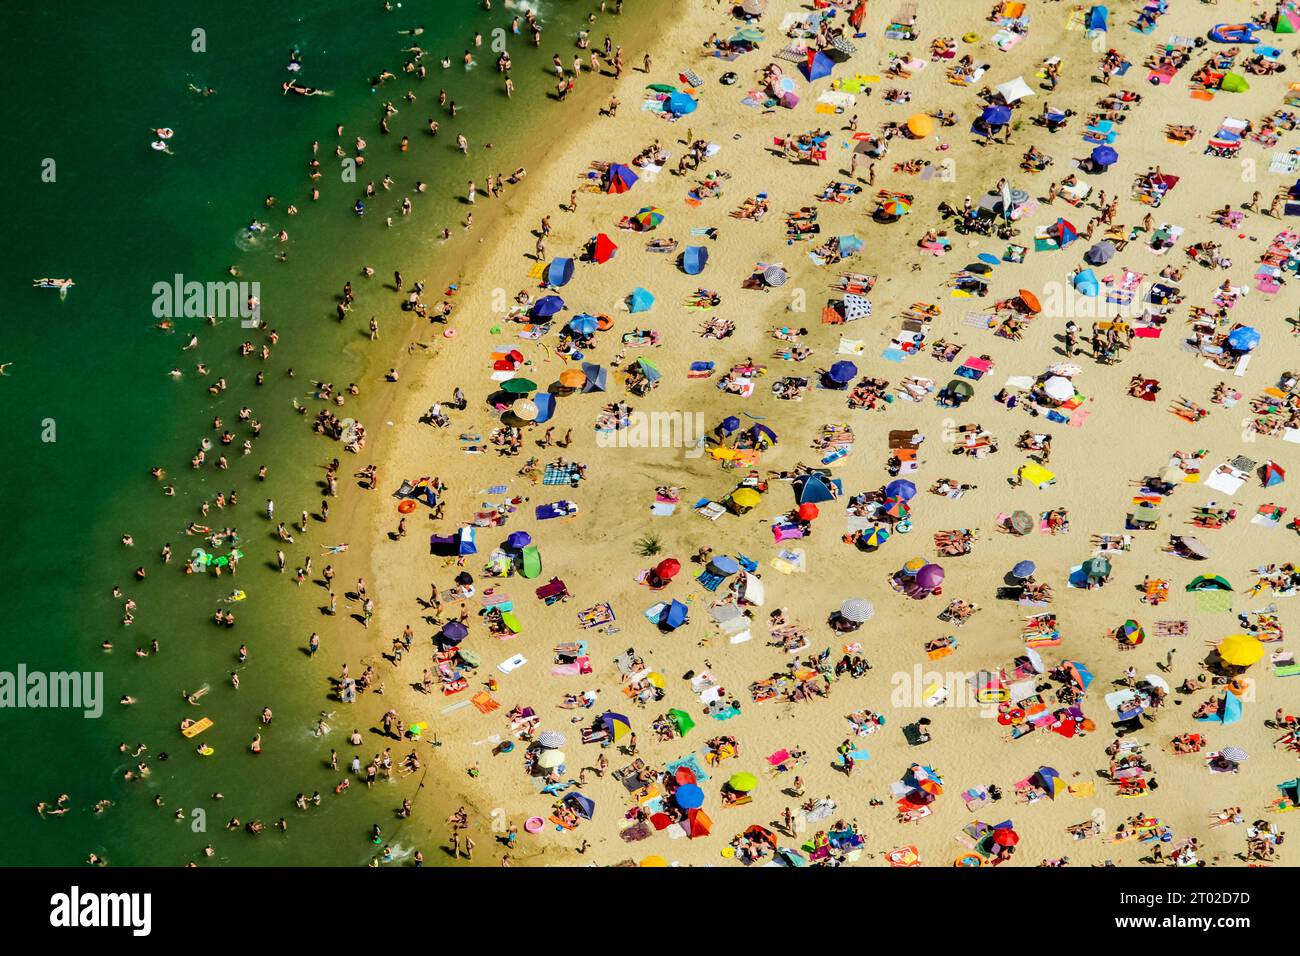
{"x":971,"y":38}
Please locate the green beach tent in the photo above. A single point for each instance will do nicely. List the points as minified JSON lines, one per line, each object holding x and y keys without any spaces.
{"x":681,"y":720}
{"x":530,"y":560}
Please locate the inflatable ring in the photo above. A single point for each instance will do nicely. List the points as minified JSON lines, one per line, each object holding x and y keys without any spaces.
{"x":604,"y":323}
{"x":165,"y":132}
{"x":405,"y":507}
{"x":968,"y":859}
{"x":449,"y":333}
{"x":903,"y":527}
{"x":971,"y":37}
{"x":158,"y":145}
{"x":727,"y":79}
{"x":534,"y":824}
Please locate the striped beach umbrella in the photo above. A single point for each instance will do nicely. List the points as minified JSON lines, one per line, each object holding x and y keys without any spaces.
{"x":857,"y":610}
{"x":896,"y":206}
{"x":1235,"y":754}
{"x":775,"y":276}
{"x":648,"y":217}
{"x":551,"y":739}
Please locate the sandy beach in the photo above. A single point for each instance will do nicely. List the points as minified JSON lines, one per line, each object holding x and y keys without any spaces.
{"x":1098,"y":464}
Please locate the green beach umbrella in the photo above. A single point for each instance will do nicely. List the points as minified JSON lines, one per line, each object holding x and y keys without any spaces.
{"x":661,"y":87}
{"x":519,"y":386}
{"x":742,"y":782}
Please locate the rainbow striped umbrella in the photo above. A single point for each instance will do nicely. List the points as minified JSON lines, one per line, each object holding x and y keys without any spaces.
{"x":648,"y":217}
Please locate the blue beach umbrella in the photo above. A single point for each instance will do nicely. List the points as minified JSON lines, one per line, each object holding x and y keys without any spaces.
{"x":547,"y":306}
{"x":842,"y":372}
{"x":900,"y":488}
{"x":996,"y":115}
{"x":641,"y":300}
{"x":597,"y":375}
{"x":583,"y":324}
{"x":724,"y":564}
{"x":519,"y":540}
{"x":1023,"y":570}
{"x":689,"y":796}
{"x":1243,"y":339}
{"x":1105,"y":156}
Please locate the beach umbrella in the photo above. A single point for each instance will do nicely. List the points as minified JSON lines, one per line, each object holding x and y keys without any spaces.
{"x":896,"y":206}
{"x":681,"y":720}
{"x":1233,"y":83}
{"x":620,"y":179}
{"x":1243,"y":339}
{"x":960,"y":388}
{"x":1131,"y":633}
{"x":856,"y":307}
{"x":857,"y":610}
{"x":550,"y":759}
{"x":1096,"y":567}
{"x":1049,"y":778}
{"x":694,"y":259}
{"x":604,"y":248}
{"x":1241,"y":650}
{"x":1100,"y":254}
{"x":913,"y":565}
{"x":930,"y":577}
{"x":525,"y":409}
{"x":746,"y":497}
{"x":724,"y":564}
{"x":640,"y":300}
{"x":901,"y":488}
{"x":573,"y":378}
{"x":649,"y":369}
{"x":979,"y":268}
{"x":1024,"y":569}
{"x":996,"y":115}
{"x":842,"y":372}
{"x":760,"y":431}
{"x":680,"y":104}
{"x":920,"y":125}
{"x":742,"y":782}
{"x":689,"y":796}
{"x":519,"y":540}
{"x":748,"y":35}
{"x":897,"y":508}
{"x":1146,"y":513}
{"x":667,"y":568}
{"x":661,"y":87}
{"x":1021,"y":522}
{"x":519,"y":386}
{"x":1059,"y":388}
{"x":596,"y":377}
{"x":653,"y":861}
{"x":1014,"y":90}
{"x":873,"y":538}
{"x":1006,"y":837}
{"x":1195,"y":547}
{"x":559,"y":272}
{"x":617,"y":725}
{"x":1030,"y":301}
{"x":551,"y":739}
{"x":775,"y":276}
{"x":755,"y":8}
{"x":807,"y":511}
{"x":647,"y":217}
{"x":1064,"y":368}
{"x":1105,"y":156}
{"x":453,"y":632}
{"x":584,"y":324}
{"x":1079,"y":674}
{"x":547,"y":306}
{"x":849,"y":245}
{"x":1235,"y":754}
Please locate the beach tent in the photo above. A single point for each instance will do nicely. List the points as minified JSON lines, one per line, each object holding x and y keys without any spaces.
{"x":697,"y":824}
{"x":1287,"y":21}
{"x":597,"y":376}
{"x":1086,"y":282}
{"x":1049,"y":779}
{"x":1209,"y":582}
{"x":619,"y":179}
{"x":530,"y":561}
{"x":681,"y":104}
{"x":681,"y":720}
{"x":1063,"y":231}
{"x":640,"y":300}
{"x":583,"y":806}
{"x":674,"y":616}
{"x":1273,"y":474}
{"x":817,"y":65}
{"x":1097,"y":19}
{"x":1233,"y":83}
{"x":694,"y":259}
{"x":616,"y":725}
{"x":604,"y":248}
{"x":1014,"y":90}
{"x":815,"y":489}
{"x":856,"y":307}
{"x":1229,"y":710}
{"x":559,"y":272}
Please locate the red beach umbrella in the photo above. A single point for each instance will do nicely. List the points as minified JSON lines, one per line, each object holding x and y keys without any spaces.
{"x":667,"y":568}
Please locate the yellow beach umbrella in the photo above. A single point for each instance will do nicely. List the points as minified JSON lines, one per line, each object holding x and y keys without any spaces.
{"x":655,"y":860}
{"x":1240,"y":650}
{"x":920,"y":125}
{"x":655,"y":678}
{"x":746,"y":497}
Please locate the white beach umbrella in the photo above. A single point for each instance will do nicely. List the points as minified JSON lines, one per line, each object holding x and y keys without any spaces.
{"x":1014,"y":90}
{"x":1059,"y":388}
